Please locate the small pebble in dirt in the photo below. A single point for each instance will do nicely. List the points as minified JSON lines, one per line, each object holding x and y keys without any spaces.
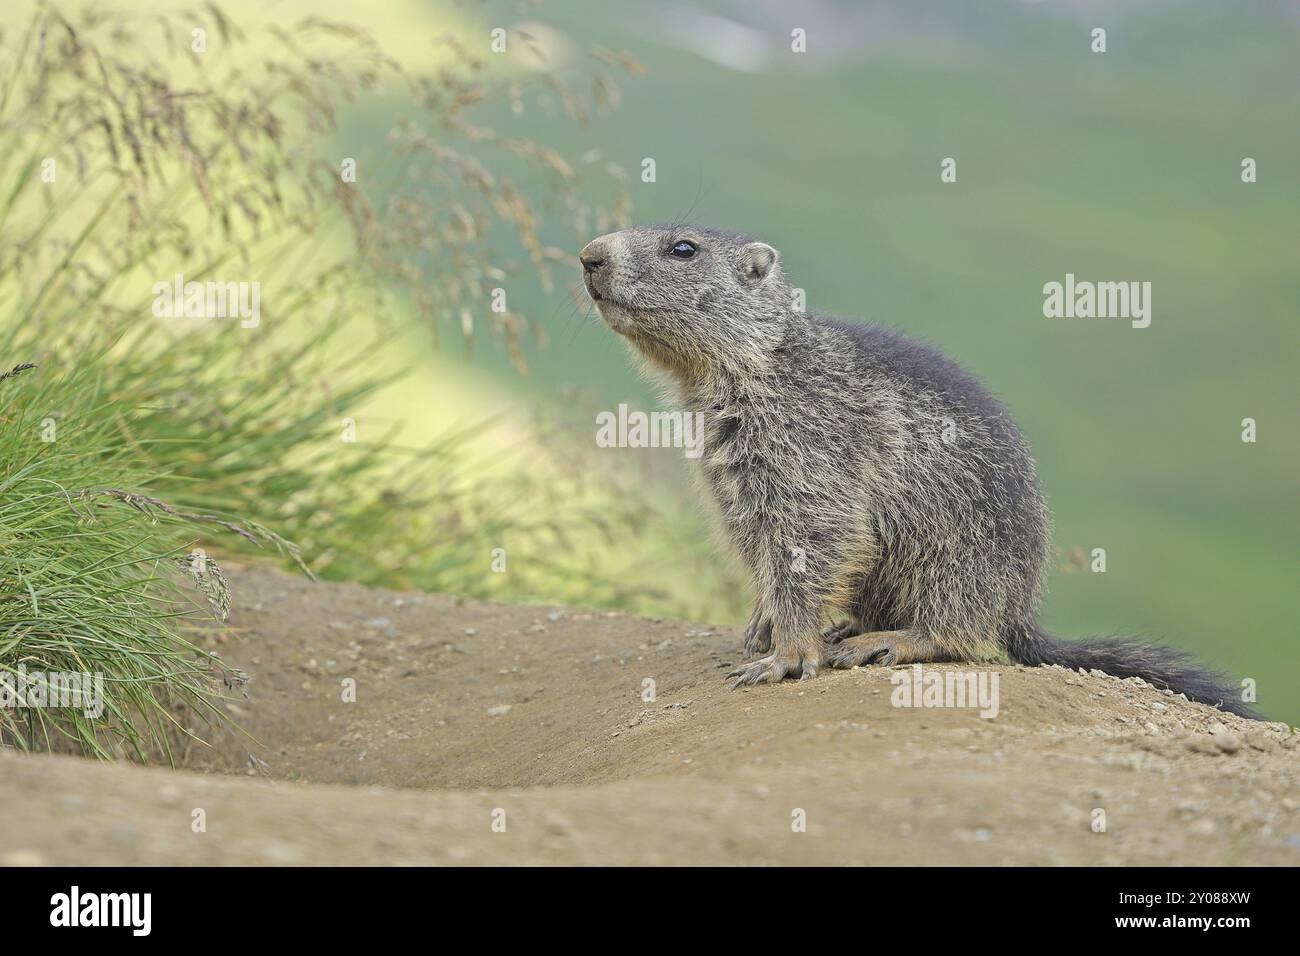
{"x":1227,"y":743}
{"x":471,"y":631}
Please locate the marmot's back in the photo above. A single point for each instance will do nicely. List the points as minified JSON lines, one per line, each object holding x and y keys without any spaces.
{"x":960,"y":441}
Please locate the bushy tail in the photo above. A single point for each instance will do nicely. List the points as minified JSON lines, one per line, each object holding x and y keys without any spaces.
{"x":1156,"y":664}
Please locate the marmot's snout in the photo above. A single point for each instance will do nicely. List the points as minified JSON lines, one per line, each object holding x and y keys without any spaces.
{"x":595,"y":258}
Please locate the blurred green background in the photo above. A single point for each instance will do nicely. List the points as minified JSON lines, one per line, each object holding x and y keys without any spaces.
{"x":1122,"y":166}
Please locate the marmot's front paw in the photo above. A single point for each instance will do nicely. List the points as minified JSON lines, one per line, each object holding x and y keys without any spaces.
{"x":758,"y":635}
{"x":776,"y":667}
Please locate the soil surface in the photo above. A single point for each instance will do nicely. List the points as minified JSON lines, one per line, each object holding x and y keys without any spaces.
{"x":494,"y":734}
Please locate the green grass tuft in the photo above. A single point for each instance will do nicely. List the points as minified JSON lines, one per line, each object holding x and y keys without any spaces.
{"x":142,"y":443}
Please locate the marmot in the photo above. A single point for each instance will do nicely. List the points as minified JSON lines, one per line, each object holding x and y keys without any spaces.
{"x":859,"y":474}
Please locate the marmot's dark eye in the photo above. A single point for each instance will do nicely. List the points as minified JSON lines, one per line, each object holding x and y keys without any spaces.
{"x":682,"y":250}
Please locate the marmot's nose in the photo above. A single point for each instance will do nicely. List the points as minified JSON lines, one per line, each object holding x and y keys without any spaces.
{"x":593,"y":256}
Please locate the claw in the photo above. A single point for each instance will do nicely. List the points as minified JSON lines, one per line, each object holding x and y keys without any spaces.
{"x":838,"y":632}
{"x":771,"y":670}
{"x":758,"y":671}
{"x":752,"y":673}
{"x":758,"y":637}
{"x":855,"y":654}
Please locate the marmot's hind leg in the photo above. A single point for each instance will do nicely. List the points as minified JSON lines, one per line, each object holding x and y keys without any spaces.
{"x":912,"y":646}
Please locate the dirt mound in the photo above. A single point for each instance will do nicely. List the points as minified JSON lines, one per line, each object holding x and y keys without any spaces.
{"x":484,"y":733}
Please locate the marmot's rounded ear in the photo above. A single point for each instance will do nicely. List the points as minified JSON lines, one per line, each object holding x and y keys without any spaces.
{"x":757,"y":260}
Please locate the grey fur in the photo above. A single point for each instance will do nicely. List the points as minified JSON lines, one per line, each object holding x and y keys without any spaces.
{"x":857,"y":473}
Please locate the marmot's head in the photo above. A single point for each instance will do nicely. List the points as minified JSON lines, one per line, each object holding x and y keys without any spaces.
{"x":686,"y":296}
